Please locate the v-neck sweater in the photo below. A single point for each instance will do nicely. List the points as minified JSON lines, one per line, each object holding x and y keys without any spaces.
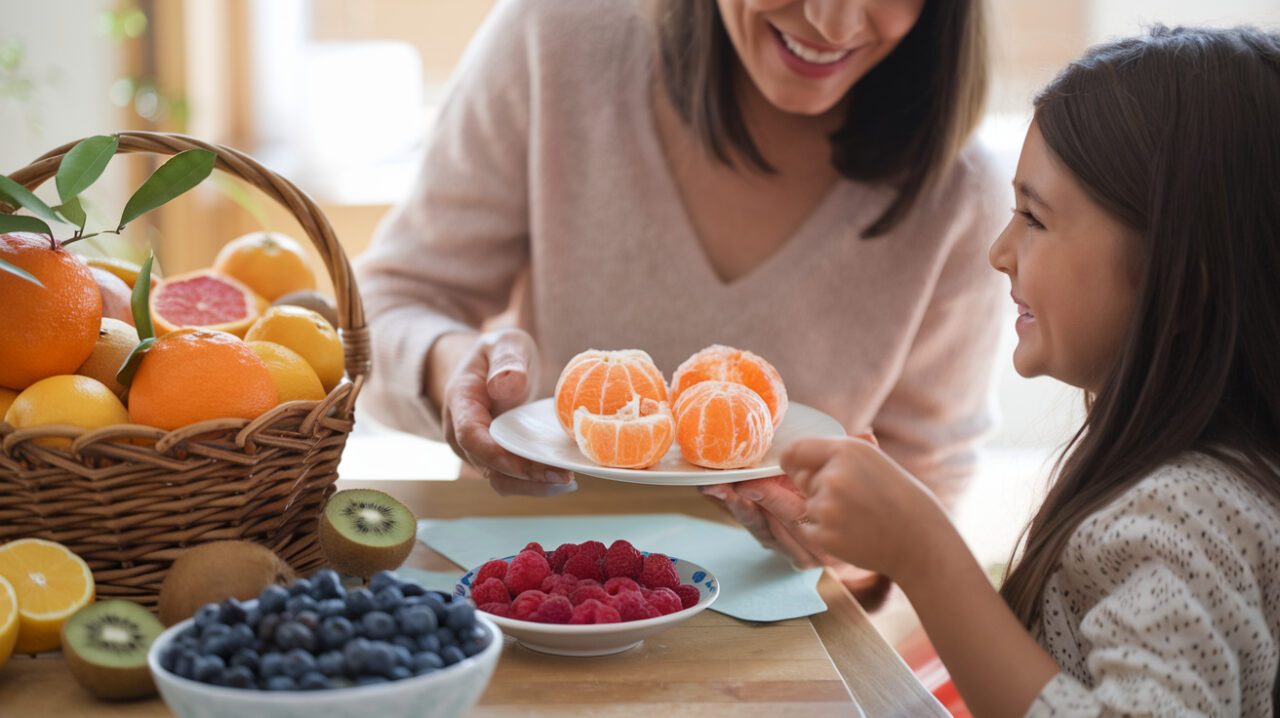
{"x":545,"y":163}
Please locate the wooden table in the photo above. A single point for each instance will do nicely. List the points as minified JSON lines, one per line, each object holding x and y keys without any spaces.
{"x":831,"y":664}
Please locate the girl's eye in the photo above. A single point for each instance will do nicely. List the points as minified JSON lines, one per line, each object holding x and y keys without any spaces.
{"x":1028,"y":218}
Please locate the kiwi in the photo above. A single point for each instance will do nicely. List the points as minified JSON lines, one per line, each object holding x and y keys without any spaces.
{"x":313,"y":300}
{"x":216,"y":571}
{"x":363,"y":531}
{"x":105,"y":645}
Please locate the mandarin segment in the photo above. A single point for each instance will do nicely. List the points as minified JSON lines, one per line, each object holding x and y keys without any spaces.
{"x":722,"y":425}
{"x":636,"y":436}
{"x":604,"y":382}
{"x":722,"y":363}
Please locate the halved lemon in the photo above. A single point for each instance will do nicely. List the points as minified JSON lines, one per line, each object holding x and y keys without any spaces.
{"x":8,"y":620}
{"x":51,"y":583}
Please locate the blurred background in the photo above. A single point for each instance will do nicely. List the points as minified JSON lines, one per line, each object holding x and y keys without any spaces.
{"x":338,"y":95}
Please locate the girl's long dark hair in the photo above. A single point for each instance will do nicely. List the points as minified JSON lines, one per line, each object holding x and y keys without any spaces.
{"x":1177,"y":134}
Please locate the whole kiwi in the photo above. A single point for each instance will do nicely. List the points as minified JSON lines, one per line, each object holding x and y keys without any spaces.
{"x":216,"y":571}
{"x":364,"y":531}
{"x":105,"y":645}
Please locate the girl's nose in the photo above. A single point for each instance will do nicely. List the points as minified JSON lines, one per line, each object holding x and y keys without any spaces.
{"x":838,"y":21}
{"x":1002,"y":255}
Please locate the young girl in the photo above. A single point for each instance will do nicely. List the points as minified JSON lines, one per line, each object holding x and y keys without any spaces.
{"x":1144,"y":257}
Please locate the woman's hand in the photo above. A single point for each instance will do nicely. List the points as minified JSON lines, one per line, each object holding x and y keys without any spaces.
{"x":487,"y":375}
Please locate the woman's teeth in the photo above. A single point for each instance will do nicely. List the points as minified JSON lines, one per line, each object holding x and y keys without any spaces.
{"x":808,"y":54}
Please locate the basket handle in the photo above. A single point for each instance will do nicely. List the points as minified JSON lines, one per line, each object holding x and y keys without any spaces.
{"x":351,"y":320}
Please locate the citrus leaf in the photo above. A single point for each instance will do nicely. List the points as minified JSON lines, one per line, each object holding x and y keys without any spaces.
{"x":182,"y":172}
{"x":19,"y":272}
{"x":141,"y":302}
{"x":73,"y":212}
{"x":83,"y":165}
{"x":20,"y":223}
{"x":15,"y":193}
{"x":130,"y":366}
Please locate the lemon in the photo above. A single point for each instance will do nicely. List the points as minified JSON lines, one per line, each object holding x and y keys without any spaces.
{"x":8,"y":620}
{"x":308,"y":334}
{"x":6,"y":398}
{"x":51,"y":584}
{"x":294,"y":378}
{"x":66,"y":399}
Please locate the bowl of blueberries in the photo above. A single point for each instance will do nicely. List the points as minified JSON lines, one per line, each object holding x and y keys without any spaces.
{"x":315,"y":649}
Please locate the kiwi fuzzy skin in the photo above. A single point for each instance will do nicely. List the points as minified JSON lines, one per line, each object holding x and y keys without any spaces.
{"x":357,"y":559}
{"x":216,"y":571}
{"x":108,"y":683}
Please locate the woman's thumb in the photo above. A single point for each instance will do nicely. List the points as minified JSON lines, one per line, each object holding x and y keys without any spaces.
{"x":511,"y":359}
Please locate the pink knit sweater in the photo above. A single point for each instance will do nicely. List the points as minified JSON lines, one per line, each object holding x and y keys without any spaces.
{"x":545,"y":159}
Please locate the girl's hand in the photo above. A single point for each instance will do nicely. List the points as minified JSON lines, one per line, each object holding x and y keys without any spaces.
{"x":862,"y":507}
{"x":491,"y":377}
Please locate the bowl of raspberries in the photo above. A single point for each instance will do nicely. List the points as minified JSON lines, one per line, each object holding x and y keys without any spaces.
{"x":318,"y":650}
{"x":587,"y":599}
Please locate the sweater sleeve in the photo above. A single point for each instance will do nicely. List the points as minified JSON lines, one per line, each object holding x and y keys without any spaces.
{"x":447,"y":257}
{"x":1180,"y":629}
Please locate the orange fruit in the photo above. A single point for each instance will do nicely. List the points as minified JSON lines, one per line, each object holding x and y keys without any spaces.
{"x":636,"y":436}
{"x":205,"y":300}
{"x":8,"y":620}
{"x":270,"y":264}
{"x":606,"y":381}
{"x":117,"y":297}
{"x":722,"y":425}
{"x":195,"y":375}
{"x":295,"y":379}
{"x":51,"y":584}
{"x":66,"y":399}
{"x":721,"y":363}
{"x":49,"y":330}
{"x":306,"y":333}
{"x":123,"y":268}
{"x":115,"y":340}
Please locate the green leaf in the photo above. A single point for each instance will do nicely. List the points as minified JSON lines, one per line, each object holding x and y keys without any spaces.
{"x":22,"y":223}
{"x":15,"y":193}
{"x":141,"y":303}
{"x":19,"y":272}
{"x":182,"y":172}
{"x":73,"y":212}
{"x":83,"y":165}
{"x":130,"y":366}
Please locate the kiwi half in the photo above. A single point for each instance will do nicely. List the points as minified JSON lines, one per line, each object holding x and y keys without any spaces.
{"x":216,"y":571}
{"x":363,"y":531}
{"x":105,"y":645}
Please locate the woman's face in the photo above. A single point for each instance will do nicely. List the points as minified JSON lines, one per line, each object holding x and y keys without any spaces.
{"x":1074,"y":271}
{"x":804,"y":55}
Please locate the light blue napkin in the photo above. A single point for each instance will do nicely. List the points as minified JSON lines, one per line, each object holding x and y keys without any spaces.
{"x":756,"y":584}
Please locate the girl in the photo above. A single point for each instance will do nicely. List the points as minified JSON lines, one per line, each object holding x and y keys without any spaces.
{"x":1143,"y":255}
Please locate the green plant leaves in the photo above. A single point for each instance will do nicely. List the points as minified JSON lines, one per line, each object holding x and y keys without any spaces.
{"x":16,"y":194}
{"x":141,"y":301}
{"x":83,"y":165}
{"x":22,"y":223}
{"x":19,"y":272}
{"x":182,"y":172}
{"x":130,"y":366}
{"x":73,"y":212}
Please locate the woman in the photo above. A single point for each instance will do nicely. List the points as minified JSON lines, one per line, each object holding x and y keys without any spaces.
{"x":784,"y":176}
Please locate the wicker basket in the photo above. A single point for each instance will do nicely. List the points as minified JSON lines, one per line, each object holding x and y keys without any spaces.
{"x":129,"y":509}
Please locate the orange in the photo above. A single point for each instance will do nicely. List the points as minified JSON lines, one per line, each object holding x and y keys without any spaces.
{"x":8,"y":620}
{"x":270,"y":264}
{"x":195,"y":375}
{"x":117,"y":297}
{"x":206,"y":300}
{"x":721,"y":363}
{"x":606,"y":381}
{"x":66,"y":399}
{"x":115,"y":340}
{"x":295,"y":379}
{"x":123,"y":268}
{"x":46,"y":330}
{"x":51,"y":584}
{"x":308,"y":334}
{"x":636,"y":436}
{"x":722,"y":425}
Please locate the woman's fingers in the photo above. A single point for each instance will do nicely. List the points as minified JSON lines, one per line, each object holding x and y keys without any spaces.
{"x":510,"y":360}
{"x":505,"y":485}
{"x":790,"y":546}
{"x":802,"y":459}
{"x":745,"y":512}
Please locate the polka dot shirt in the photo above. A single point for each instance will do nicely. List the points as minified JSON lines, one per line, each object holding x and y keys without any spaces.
{"x":1167,"y":602}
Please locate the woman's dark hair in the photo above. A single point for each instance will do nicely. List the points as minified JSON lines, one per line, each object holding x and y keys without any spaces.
{"x":908,"y":118}
{"x":1177,"y":134}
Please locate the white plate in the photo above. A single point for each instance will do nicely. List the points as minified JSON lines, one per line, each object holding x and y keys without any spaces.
{"x":533,"y":432}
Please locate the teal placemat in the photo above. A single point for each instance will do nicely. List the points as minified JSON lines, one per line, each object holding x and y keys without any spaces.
{"x":756,"y":584}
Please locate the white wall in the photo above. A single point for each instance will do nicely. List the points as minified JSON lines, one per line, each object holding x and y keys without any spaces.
{"x":1110,"y":18}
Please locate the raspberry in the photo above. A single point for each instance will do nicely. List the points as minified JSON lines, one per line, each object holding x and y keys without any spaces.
{"x":526,"y":572}
{"x":490,"y":591}
{"x":498,"y":609}
{"x":689,"y":595}
{"x":526,"y":603}
{"x":664,"y":599}
{"x":622,"y":559}
{"x":581,"y":594}
{"x":631,"y":606}
{"x":556,"y":609}
{"x":496,"y":568}
{"x":559,"y":585}
{"x":659,"y":572}
{"x":534,"y":546}
{"x":593,"y":611}
{"x":583,"y":566}
{"x":594,"y":549}
{"x":562,"y":553}
{"x":617,"y":585}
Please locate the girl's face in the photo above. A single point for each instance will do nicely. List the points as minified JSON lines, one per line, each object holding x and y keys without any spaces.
{"x":1074,"y":271}
{"x":804,"y":55}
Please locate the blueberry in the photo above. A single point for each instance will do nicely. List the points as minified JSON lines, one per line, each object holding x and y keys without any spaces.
{"x":252,"y":615}
{"x":271,"y":665}
{"x":404,"y":657}
{"x":432,"y":601}
{"x":169,"y":657}
{"x":452,"y":655}
{"x":356,"y":654}
{"x":298,"y":662}
{"x":470,"y":647}
{"x":208,"y":669}
{"x":300,"y":587}
{"x":409,"y":644}
{"x":325,"y":584}
{"x":313,"y":681}
{"x":400,"y":673}
{"x":336,"y":631}
{"x":310,"y":619}
{"x":447,"y":637}
{"x":208,"y":615}
{"x":359,"y":602}
{"x":298,"y":604}
{"x":272,"y":599}
{"x":189,"y":632}
{"x":378,"y":625}
{"x":231,"y":612}
{"x":242,"y":636}
{"x":292,"y":634}
{"x":331,"y":663}
{"x":426,"y":662}
{"x":381,"y":580}
{"x":281,"y":683}
{"x":239,"y":677}
{"x":417,"y":620}
{"x":461,"y":617}
{"x":267,"y":627}
{"x":429,"y":643}
{"x":220,"y":646}
{"x":388,"y":599}
{"x":408,"y":588}
{"x":381,"y":659}
{"x":248,"y":658}
{"x":332,"y":607}
{"x":370,"y":680}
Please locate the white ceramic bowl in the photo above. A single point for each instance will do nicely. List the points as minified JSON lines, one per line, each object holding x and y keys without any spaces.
{"x":450,"y":692}
{"x":600,"y":639}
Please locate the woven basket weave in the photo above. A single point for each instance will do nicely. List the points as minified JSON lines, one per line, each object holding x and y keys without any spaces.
{"x":130,"y":509}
